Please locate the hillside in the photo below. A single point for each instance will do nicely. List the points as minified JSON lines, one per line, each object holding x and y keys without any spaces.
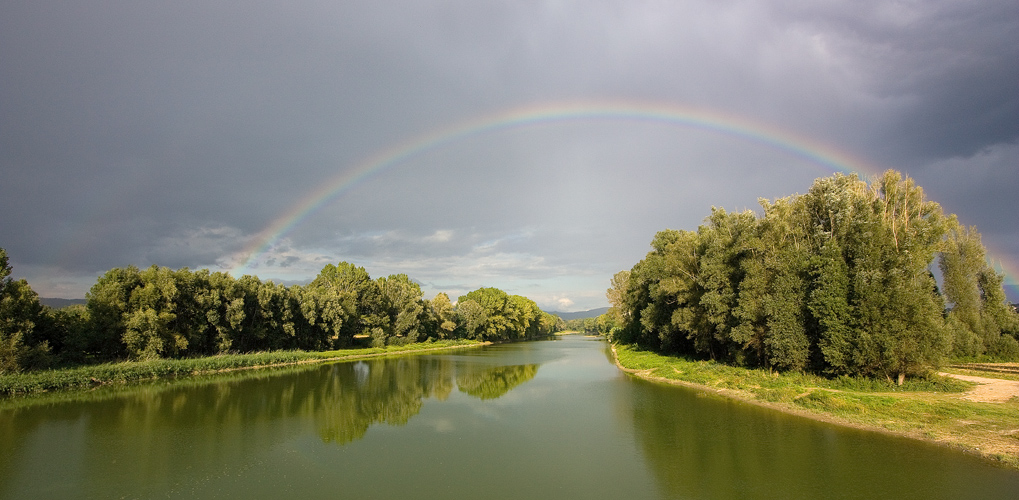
{"x":56,"y":303}
{"x":592,"y":313}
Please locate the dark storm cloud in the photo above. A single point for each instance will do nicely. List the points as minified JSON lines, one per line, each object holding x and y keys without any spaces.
{"x":173,"y":133}
{"x":947,"y":70}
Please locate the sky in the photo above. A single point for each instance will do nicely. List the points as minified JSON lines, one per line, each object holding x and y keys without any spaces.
{"x":531,"y":146}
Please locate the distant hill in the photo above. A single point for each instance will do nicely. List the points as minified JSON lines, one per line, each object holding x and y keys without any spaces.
{"x":59,"y":303}
{"x":593,"y":313}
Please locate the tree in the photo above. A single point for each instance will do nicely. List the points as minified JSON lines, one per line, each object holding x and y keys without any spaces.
{"x":195,"y":298}
{"x":782,"y":231}
{"x":725,"y":241}
{"x":961,"y":261}
{"x":836,"y":212}
{"x":224,"y":310}
{"x":496,"y":306}
{"x":148,"y":332}
{"x":20,"y":310}
{"x":326,"y":313}
{"x":472,"y":318}
{"x":402,"y":306}
{"x":1000,"y":319}
{"x":837,"y":280}
{"x":831,"y":312}
{"x":550,"y":324}
{"x":525,"y":316}
{"x":910,"y":327}
{"x":352,"y":286}
{"x":68,"y":330}
{"x":107,"y":303}
{"x":441,"y":316}
{"x":617,"y":289}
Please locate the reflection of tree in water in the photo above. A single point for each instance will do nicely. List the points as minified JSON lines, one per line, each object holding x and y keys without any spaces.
{"x":162,"y":431}
{"x":357,"y":395}
{"x":139,"y":437}
{"x":490,"y":383}
{"x":159,"y":431}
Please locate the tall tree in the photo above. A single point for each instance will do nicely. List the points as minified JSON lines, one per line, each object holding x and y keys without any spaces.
{"x":726,"y":241}
{"x":20,"y":310}
{"x":618,"y":314}
{"x":402,"y":306}
{"x":107,"y":303}
{"x":472,"y":318}
{"x":783,"y":233}
{"x":496,"y":306}
{"x":352,"y":285}
{"x":830,"y":311}
{"x":961,"y":261}
{"x":836,"y":280}
{"x":441,"y":316}
{"x":151,"y":311}
{"x":1001,"y":321}
{"x":524,"y":315}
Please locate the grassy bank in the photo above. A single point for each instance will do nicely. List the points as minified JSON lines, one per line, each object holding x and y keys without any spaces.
{"x":85,"y":377}
{"x":930,"y":409}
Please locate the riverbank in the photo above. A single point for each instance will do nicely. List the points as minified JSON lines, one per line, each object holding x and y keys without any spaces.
{"x":934,"y":410}
{"x":87,"y":377}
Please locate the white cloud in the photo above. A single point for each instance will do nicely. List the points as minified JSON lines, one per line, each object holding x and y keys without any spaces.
{"x":440,"y":236}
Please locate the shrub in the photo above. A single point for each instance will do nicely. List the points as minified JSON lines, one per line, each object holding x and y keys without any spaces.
{"x":1004,"y":348}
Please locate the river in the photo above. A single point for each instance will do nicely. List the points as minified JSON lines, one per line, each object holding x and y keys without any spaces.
{"x":550,"y":419}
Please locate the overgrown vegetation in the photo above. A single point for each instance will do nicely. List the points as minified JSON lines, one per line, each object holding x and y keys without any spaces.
{"x":837,"y":282}
{"x":158,"y":313}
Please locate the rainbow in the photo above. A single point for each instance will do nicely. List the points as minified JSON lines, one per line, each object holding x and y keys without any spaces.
{"x":732,"y":125}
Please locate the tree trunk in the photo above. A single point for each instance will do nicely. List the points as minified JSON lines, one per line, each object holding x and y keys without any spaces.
{"x":902,"y":378}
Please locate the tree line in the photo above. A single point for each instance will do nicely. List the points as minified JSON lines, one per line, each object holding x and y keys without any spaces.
{"x":839,"y":281}
{"x":595,"y":325}
{"x":156,"y":312}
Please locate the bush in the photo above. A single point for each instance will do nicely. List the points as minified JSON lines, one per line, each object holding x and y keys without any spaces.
{"x":378,"y":337}
{"x":1004,"y":348}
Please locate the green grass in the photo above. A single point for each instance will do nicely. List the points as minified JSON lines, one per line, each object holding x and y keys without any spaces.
{"x":927,"y":408}
{"x":777,"y":386}
{"x":85,"y":377}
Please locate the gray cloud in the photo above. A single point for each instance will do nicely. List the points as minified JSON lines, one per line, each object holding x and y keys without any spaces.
{"x":175,"y":133}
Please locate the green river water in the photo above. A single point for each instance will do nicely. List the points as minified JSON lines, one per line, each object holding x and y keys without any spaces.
{"x":534,"y":420}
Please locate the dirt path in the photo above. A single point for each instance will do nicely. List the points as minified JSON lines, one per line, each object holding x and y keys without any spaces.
{"x":990,"y":390}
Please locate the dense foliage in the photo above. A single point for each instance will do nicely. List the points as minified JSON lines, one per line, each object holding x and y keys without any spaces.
{"x":836,"y":281}
{"x":21,"y":317}
{"x":157,"y":312}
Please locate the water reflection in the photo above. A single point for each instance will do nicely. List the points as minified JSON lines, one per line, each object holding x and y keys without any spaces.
{"x":577,"y":428}
{"x":355,"y":396}
{"x":707,"y":447}
{"x":140,"y":437}
{"x":491,"y":383}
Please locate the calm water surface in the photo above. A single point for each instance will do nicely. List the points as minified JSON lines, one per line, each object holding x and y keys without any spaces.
{"x":551,"y":419}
